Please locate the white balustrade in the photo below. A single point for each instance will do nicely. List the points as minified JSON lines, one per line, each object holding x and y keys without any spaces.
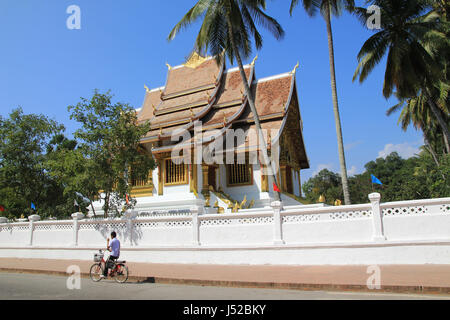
{"x":371,"y":223}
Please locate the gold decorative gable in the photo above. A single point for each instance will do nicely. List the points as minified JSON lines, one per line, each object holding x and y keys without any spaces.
{"x":194,"y":60}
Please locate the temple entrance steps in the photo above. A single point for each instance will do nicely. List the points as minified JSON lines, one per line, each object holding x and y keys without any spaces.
{"x":220,"y":199}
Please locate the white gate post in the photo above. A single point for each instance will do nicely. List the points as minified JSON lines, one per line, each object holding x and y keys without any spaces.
{"x":195,"y":226}
{"x":378,"y":232}
{"x":32,"y":219}
{"x":76,"y":217}
{"x":277,"y":231}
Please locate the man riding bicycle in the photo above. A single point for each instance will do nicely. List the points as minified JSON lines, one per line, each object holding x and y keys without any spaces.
{"x":114,"y":248}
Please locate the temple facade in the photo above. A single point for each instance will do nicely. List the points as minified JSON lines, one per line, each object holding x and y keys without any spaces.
{"x":205,"y":143}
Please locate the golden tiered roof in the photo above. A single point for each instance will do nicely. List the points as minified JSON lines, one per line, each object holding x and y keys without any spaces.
{"x":202,"y":90}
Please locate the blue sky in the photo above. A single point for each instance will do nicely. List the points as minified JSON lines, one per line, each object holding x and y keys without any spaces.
{"x":45,"y":67}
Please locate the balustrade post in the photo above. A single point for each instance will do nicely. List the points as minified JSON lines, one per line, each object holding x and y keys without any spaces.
{"x":76,"y":217}
{"x":277,"y":231}
{"x":32,"y":219}
{"x":378,"y":232}
{"x":195,"y":226}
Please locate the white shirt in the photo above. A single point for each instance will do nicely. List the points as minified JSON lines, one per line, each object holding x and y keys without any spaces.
{"x":115,"y":247}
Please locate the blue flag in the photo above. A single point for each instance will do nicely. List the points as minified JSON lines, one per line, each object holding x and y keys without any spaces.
{"x":375,"y":179}
{"x":33,"y":206}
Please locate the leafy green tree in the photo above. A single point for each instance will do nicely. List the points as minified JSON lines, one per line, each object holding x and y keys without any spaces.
{"x":23,"y":175}
{"x":109,"y":145}
{"x":328,"y":8}
{"x":325,"y":183}
{"x":228,"y":27}
{"x":68,"y":166}
{"x":403,"y":179}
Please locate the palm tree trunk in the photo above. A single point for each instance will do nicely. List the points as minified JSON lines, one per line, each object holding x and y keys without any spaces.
{"x":336,"y":107}
{"x":430,"y":150}
{"x":439,"y":118}
{"x":251,"y":102}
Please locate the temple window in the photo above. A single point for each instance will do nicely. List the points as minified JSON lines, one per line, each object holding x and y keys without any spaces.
{"x":239,"y":174}
{"x":175,"y":172}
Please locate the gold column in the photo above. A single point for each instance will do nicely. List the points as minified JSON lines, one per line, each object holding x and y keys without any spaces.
{"x":160,"y":177}
{"x":205,"y":187}
{"x":193,"y":178}
{"x":264,"y":179}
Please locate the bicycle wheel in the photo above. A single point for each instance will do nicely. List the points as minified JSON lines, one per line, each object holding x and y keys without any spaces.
{"x":95,"y":272}
{"x":121,"y":273}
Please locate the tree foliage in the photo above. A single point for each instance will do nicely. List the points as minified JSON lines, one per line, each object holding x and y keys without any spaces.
{"x":109,"y":146}
{"x":24,"y":178}
{"x":403,"y":179}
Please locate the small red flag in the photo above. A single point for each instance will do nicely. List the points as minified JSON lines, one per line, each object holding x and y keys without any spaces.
{"x":275,"y":188}
{"x":2,"y":208}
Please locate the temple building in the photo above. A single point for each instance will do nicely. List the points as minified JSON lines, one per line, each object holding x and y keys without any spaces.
{"x":201,"y":109}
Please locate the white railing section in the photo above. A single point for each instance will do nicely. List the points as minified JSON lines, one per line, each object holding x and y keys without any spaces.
{"x":363,"y":223}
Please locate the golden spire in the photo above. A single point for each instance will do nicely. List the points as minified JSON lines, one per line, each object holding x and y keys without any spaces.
{"x":146,"y":88}
{"x":169,"y":66}
{"x":322,"y":198}
{"x":295,"y":68}
{"x":254,"y":60}
{"x":242,"y":204}
{"x":194,"y":60}
{"x":337,"y":202}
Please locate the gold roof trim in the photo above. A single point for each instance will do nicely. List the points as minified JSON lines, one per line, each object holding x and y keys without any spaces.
{"x":194,"y":60}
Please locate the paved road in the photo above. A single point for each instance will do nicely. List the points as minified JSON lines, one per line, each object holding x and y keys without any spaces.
{"x":49,"y":287}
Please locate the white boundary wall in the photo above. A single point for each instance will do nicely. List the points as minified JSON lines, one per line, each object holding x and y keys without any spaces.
{"x":405,"y":232}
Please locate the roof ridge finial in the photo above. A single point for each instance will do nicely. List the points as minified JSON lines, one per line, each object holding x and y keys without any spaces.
{"x":146,"y":88}
{"x":295,"y":68}
{"x":254,"y":60}
{"x":169,"y":66}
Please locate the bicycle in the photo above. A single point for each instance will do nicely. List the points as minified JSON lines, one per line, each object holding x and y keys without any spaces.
{"x":119,"y":270}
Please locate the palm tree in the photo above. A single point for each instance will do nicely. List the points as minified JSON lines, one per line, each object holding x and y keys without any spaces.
{"x":415,"y":111}
{"x":413,"y":42}
{"x":327,"y":8}
{"x":228,"y":27}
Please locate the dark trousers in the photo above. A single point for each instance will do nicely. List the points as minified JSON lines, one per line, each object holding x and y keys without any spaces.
{"x":111,"y":259}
